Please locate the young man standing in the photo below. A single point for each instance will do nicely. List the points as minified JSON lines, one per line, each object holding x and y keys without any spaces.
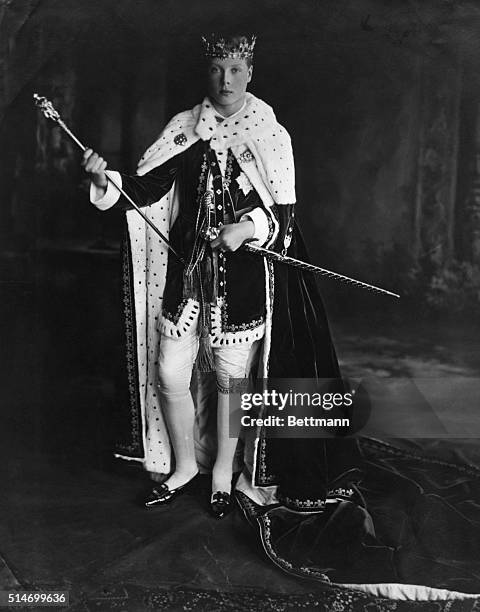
{"x":219,"y":175}
{"x":227,"y":164}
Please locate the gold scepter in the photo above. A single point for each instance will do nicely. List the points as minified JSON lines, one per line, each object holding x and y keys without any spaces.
{"x":49,"y":111}
{"x":212,"y":232}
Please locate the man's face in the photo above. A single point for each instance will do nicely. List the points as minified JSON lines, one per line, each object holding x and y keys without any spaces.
{"x":227,"y":81}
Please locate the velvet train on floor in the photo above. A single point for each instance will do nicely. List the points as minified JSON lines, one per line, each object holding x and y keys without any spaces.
{"x":410,"y":531}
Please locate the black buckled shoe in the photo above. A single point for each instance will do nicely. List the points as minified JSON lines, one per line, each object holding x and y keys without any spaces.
{"x":163,"y":495}
{"x":221,"y":504}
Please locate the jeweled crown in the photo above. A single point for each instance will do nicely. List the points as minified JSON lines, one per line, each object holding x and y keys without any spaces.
{"x":217,"y":46}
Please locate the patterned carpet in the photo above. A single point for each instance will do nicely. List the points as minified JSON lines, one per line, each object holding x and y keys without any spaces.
{"x":132,"y":598}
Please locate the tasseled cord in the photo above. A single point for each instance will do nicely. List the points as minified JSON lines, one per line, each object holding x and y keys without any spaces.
{"x":196,"y":282}
{"x":205,"y":361}
{"x":200,"y":274}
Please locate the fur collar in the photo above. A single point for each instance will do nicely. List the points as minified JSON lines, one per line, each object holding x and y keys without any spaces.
{"x":253,"y":134}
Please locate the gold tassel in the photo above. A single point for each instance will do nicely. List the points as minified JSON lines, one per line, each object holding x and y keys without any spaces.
{"x":205,"y":361}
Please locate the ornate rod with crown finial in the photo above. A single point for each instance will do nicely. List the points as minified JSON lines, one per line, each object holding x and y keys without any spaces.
{"x":211,"y":233}
{"x":50,"y":112}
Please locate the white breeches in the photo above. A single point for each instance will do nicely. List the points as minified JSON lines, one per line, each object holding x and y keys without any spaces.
{"x":177,"y":356}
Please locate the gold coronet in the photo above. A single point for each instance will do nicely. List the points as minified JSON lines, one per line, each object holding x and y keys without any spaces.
{"x":216,"y":46}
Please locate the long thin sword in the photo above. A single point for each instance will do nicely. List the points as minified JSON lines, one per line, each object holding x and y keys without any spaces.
{"x":297,"y":263}
{"x":49,"y":111}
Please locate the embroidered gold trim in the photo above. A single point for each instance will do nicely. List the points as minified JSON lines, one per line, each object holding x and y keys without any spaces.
{"x":304,"y":504}
{"x":137,"y":441}
{"x":222,"y":334}
{"x":179,"y":325}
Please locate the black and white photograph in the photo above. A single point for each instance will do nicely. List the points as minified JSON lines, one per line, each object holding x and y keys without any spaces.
{"x":240,"y":305}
